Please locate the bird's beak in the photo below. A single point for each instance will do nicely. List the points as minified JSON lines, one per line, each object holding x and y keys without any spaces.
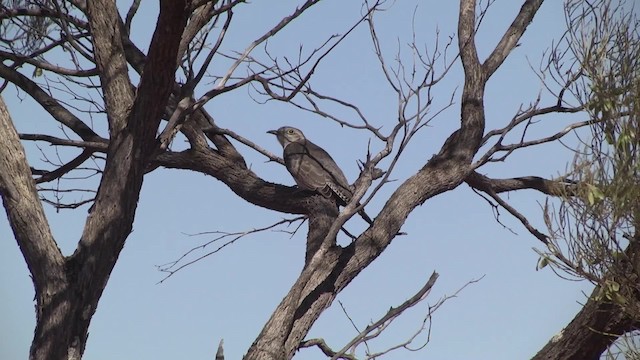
{"x":273,"y":132}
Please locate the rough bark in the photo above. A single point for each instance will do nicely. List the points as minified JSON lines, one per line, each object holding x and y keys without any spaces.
{"x":333,"y":268}
{"x":589,"y":334}
{"x":32,"y":232}
{"x":545,"y":186}
{"x":68,"y":290}
{"x":600,"y":323}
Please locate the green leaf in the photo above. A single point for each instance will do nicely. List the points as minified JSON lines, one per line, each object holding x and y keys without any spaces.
{"x":608,"y":105}
{"x":594,"y":194}
{"x":598,"y":193}
{"x":613,"y":286}
{"x":609,"y":138}
{"x":617,"y":255}
{"x":599,"y":295}
{"x":37,"y":72}
{"x":619,"y":299}
{"x":542,"y":262}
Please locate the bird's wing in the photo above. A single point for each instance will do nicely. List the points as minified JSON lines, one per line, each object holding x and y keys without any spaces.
{"x":306,"y":170}
{"x":327,"y":163}
{"x":336,"y":180}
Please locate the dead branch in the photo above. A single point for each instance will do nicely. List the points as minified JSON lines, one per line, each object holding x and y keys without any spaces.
{"x":378,"y":326}
{"x":174,"y":266}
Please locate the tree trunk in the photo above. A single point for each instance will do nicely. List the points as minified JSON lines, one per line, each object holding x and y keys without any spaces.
{"x":61,"y":324}
{"x":589,"y":334}
{"x":68,"y":289}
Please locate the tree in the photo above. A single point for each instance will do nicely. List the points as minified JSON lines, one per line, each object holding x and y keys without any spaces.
{"x":594,"y":227}
{"x":99,"y":49}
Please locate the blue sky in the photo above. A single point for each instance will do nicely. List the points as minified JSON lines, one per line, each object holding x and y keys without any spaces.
{"x":510,"y":314}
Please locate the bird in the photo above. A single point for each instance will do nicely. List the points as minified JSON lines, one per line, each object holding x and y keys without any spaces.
{"x":313,"y":168}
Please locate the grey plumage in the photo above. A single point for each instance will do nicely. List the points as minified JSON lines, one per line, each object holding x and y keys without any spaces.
{"x":311,"y":166}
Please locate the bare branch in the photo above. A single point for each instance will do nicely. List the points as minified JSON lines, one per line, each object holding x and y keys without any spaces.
{"x":223,"y":81}
{"x":559,"y":187}
{"x":322,"y":345}
{"x":391,"y":315}
{"x":498,"y":147}
{"x":174,"y":266}
{"x":62,"y":170}
{"x":130,"y":14}
{"x":51,"y":105}
{"x":88,"y":145}
{"x":109,"y":56}
{"x":425,"y":325}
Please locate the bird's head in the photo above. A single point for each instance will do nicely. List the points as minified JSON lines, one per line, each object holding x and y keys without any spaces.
{"x":287,"y":134}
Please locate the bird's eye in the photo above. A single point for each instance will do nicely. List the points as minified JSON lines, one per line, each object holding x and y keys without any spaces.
{"x":289,"y":131}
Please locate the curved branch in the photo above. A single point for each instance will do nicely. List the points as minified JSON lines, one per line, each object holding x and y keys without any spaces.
{"x":466,"y":36}
{"x":62,"y":170}
{"x":240,"y":179}
{"x":39,"y":11}
{"x":322,"y":345}
{"x":51,"y":105}
{"x":523,"y":220}
{"x":133,"y":9}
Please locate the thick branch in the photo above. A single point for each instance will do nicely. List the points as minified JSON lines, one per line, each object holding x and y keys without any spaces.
{"x":545,"y":186}
{"x":589,"y":334}
{"x":27,"y":219}
{"x":466,"y":36}
{"x":511,"y":36}
{"x":467,"y":139}
{"x":129,"y":149}
{"x":240,"y":179}
{"x":104,"y":21}
{"x":23,"y":206}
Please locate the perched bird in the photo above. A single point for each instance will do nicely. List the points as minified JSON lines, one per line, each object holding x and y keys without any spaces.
{"x":312,"y":167}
